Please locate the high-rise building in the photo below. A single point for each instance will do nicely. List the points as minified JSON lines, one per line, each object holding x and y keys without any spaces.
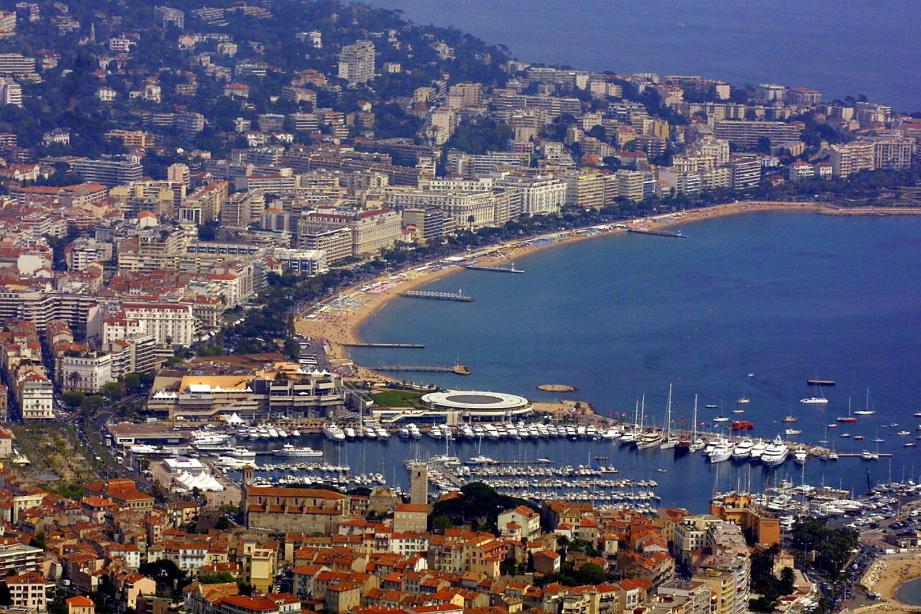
{"x":356,"y":62}
{"x":7,"y":24}
{"x":10,"y":92}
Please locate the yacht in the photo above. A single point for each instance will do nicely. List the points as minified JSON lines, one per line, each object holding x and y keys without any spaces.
{"x":721,"y":419}
{"x":289,"y":450}
{"x":743,"y":449}
{"x":871,"y":456}
{"x":721,"y":452}
{"x":743,"y":401}
{"x":792,"y":432}
{"x":610,"y":434}
{"x":403,"y":432}
{"x":867,"y":411}
{"x":775,"y":453}
{"x":333,"y":432}
{"x":650,"y":439}
{"x":414,"y":431}
{"x":242,"y":454}
{"x":799,"y":455}
{"x":814,"y":401}
{"x":382,"y":433}
{"x":349,"y":432}
{"x":628,"y":437}
{"x":757,"y":450}
{"x":697,"y":445}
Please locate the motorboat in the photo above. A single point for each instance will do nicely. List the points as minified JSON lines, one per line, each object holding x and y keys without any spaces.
{"x":757,"y":450}
{"x":721,"y":452}
{"x":333,"y":432}
{"x":289,"y":450}
{"x":800,"y":455}
{"x":743,"y":449}
{"x":775,"y":453}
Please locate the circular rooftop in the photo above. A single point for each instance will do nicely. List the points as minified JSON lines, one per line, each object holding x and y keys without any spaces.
{"x":475,"y":401}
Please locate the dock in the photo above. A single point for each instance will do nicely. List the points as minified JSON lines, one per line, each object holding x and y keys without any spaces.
{"x":493,"y":269}
{"x":674,"y":234}
{"x":394,"y":346}
{"x":438,"y":296}
{"x":456,"y":369}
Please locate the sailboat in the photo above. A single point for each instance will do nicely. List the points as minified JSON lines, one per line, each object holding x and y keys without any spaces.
{"x":866,"y":411}
{"x":815,"y":400}
{"x":790,"y":419}
{"x":849,"y":419}
{"x":696,"y":442}
{"x":669,"y":440}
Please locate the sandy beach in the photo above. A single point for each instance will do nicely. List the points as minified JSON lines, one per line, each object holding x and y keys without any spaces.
{"x":896,"y":570}
{"x":338,"y":320}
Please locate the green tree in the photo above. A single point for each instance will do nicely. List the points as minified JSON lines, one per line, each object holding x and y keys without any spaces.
{"x":113,"y":390}
{"x":92,"y":403}
{"x":72,"y":398}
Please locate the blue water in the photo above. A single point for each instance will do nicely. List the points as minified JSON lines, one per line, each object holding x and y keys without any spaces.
{"x":785,"y":296}
{"x":910,"y":592}
{"x":859,"y":47}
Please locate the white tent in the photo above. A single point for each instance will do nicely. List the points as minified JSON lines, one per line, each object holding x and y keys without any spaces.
{"x":233,"y":419}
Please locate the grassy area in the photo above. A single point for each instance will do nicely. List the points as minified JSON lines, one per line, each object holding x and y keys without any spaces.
{"x":397,"y":398}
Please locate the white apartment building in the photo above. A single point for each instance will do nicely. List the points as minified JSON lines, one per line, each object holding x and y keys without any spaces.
{"x":168,"y":323}
{"x":35,"y":395}
{"x":302,"y":261}
{"x":356,"y":62}
{"x":87,"y":373}
{"x":538,"y":195}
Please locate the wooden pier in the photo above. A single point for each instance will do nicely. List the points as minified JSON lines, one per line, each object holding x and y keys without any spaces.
{"x":438,"y":296}
{"x":393,"y":346}
{"x":456,"y":369}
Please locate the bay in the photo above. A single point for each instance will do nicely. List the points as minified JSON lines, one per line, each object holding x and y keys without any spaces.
{"x":784,"y":296}
{"x":860,"y":47}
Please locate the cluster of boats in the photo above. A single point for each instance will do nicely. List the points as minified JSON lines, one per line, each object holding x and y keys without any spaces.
{"x":497,"y":431}
{"x":368,"y":430}
{"x":265,"y":431}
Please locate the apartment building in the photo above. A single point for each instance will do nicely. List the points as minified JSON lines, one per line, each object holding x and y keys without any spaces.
{"x":356,"y":62}
{"x":108,"y":172}
{"x":850,"y":158}
{"x":748,"y":133}
{"x":538,"y":195}
{"x":336,"y":243}
{"x":87,"y":372}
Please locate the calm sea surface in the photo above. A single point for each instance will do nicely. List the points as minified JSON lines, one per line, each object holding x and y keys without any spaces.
{"x":910,"y":592}
{"x":783,"y":296}
{"x":859,"y":47}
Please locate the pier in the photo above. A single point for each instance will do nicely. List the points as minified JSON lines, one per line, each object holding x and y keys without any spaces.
{"x":438,"y":296}
{"x":674,"y":234}
{"x":493,"y":269}
{"x":456,"y":369}
{"x":393,"y":346}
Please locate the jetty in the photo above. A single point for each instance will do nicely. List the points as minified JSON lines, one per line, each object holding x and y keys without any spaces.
{"x":394,"y":346}
{"x":493,"y":269}
{"x":456,"y":369}
{"x":435,"y":295}
{"x":674,"y":234}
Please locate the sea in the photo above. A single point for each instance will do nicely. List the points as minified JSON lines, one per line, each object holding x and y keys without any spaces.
{"x":857,"y":47}
{"x":750,"y":306}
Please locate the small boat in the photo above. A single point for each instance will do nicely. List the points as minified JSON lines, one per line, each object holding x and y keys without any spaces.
{"x":867,"y":410}
{"x":738,"y":411}
{"x":832,"y":425}
{"x":845,"y":435}
{"x":714,"y":406}
{"x":910,"y":444}
{"x":660,"y":470}
{"x":742,"y":425}
{"x":721,"y":419}
{"x":820,"y":382}
{"x":847,"y":419}
{"x":792,"y":432}
{"x":789,"y":419}
{"x":814,"y":401}
{"x":743,"y":400}
{"x":833,"y":456}
{"x":903,"y":433}
{"x":865,"y":455}
{"x":918,"y":414}
{"x":858,"y":437}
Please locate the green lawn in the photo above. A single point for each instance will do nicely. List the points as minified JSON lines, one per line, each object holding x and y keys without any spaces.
{"x":397,"y":398}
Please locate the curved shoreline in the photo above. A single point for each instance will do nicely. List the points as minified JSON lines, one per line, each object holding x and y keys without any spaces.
{"x":338,"y":320}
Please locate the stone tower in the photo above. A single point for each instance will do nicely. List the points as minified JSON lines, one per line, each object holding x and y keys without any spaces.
{"x":419,"y":484}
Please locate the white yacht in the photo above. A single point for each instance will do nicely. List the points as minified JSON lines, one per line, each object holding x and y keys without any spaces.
{"x":814,"y":401}
{"x":242,"y":454}
{"x":799,"y":455}
{"x":649,"y":439}
{"x":721,"y":452}
{"x":289,"y":450}
{"x":333,"y":432}
{"x":775,"y":453}
{"x":743,"y":449}
{"x":757,"y":450}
